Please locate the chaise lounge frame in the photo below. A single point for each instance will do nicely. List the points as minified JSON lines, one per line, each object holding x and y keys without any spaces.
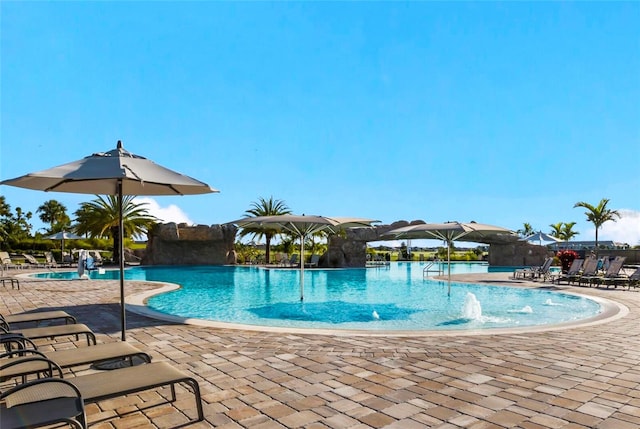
{"x":103,"y":385}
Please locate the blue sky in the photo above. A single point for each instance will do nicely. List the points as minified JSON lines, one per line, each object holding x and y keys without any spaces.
{"x":498,"y":112}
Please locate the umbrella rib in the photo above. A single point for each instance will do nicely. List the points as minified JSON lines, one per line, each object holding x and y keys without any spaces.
{"x":125,"y":166}
{"x":53,"y":188}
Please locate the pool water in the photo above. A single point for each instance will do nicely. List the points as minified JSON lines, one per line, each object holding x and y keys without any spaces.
{"x":395,"y":297}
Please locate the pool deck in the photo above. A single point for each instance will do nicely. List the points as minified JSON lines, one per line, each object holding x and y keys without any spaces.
{"x":578,"y":377}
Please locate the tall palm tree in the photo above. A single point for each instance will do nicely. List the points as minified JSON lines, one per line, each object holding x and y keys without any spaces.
{"x":264,"y":207}
{"x":101,"y":217}
{"x":52,"y":212}
{"x":599,"y":214}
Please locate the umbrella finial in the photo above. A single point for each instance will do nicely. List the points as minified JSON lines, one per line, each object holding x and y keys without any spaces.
{"x":119,"y":145}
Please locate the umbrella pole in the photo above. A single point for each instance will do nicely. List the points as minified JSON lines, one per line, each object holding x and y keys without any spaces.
{"x":301,"y":267}
{"x":449,"y":266}
{"x":121,"y":261}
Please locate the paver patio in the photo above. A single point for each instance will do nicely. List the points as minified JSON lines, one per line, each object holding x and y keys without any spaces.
{"x":582,"y":377}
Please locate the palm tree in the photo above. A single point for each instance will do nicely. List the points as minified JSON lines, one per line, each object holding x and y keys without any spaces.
{"x":599,"y":214}
{"x":563,"y":230}
{"x":52,"y":212}
{"x":567,"y":231}
{"x":264,"y":207}
{"x":526,"y":231}
{"x":556,"y":230}
{"x":101,"y":217}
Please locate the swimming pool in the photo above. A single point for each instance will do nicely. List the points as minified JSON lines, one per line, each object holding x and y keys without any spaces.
{"x":392,"y":298}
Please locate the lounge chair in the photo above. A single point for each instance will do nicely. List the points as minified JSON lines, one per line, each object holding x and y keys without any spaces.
{"x":37,"y":317}
{"x":313,"y":262}
{"x":103,"y":385}
{"x":6,"y":278}
{"x":545,"y":271}
{"x":634,"y":279}
{"x":25,"y":361}
{"x":124,"y":381}
{"x":50,"y":260}
{"x":15,"y":283}
{"x":529,"y":272}
{"x":534,"y":272}
{"x":42,"y":402}
{"x":589,"y":271}
{"x":594,"y":279}
{"x":623,"y":280}
{"x":52,"y":332}
{"x":283,"y":260}
{"x":67,"y":260}
{"x":572,"y":273}
{"x":7,"y":262}
{"x":293,"y":261}
{"x":32,"y":262}
{"x":24,"y":365}
{"x":613,"y":271}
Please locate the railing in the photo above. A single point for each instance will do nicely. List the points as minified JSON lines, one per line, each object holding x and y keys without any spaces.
{"x":429,"y":268}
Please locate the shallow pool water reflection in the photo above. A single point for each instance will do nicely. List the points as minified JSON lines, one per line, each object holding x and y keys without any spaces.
{"x":395,"y":297}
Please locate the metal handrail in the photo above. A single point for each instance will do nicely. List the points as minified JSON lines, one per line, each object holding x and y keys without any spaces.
{"x":427,"y":269}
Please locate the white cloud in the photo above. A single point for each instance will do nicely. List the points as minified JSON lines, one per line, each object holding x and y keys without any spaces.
{"x":626,"y":229}
{"x":171,"y":213}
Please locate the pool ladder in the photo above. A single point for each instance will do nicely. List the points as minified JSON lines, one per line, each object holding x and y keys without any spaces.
{"x":429,"y":268}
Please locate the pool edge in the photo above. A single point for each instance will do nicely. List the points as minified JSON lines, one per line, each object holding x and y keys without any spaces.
{"x":611,"y":311}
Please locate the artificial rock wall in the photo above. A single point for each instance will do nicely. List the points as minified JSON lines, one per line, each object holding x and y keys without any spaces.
{"x":172,"y":244}
{"x":517,"y":254}
{"x":350,"y":248}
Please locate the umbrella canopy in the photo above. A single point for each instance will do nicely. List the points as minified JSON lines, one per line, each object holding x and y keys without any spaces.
{"x":116,"y":172}
{"x":63,"y":235}
{"x":302,"y":226}
{"x":540,"y":237}
{"x":450,"y":232}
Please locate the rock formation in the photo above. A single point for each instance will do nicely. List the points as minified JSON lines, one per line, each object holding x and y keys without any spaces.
{"x":171,"y":244}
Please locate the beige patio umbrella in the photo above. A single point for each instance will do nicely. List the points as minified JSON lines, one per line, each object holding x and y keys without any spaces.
{"x":302,"y":226}
{"x":116,"y":172}
{"x":63,"y":235}
{"x":450,"y":232}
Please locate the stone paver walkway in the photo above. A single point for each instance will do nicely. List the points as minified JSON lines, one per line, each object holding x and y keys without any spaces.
{"x":583,"y":377}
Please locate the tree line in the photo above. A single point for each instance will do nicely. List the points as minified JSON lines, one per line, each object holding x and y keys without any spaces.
{"x":596,"y":214}
{"x":99,"y":218}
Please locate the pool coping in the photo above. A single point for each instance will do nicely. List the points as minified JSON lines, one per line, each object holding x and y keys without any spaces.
{"x":611,"y":311}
